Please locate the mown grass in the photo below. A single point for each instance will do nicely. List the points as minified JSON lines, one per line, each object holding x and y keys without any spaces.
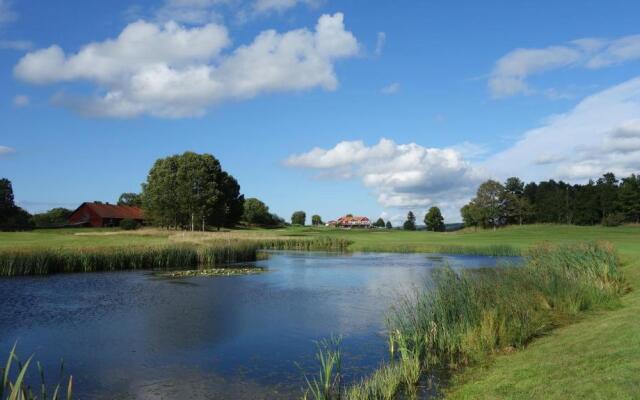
{"x":466,"y":317}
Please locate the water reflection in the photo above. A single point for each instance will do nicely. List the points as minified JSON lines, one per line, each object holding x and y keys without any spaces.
{"x":131,"y":335}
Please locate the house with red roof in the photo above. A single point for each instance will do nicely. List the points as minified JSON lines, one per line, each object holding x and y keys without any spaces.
{"x":350,"y":221}
{"x":100,"y":215}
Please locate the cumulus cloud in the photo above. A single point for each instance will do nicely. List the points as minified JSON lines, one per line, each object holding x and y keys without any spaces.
{"x":510,"y":73}
{"x":20,"y":101}
{"x":401,"y":175}
{"x":5,"y":150}
{"x":391,"y":89}
{"x":174,"y":71}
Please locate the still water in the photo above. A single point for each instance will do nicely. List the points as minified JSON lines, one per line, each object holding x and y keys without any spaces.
{"x":132,"y":335}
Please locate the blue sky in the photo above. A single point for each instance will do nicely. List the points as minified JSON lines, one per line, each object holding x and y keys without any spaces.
{"x":372,"y":108}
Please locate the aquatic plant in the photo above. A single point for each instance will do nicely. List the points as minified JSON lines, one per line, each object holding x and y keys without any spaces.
{"x":15,"y":387}
{"x":327,"y":384}
{"x":465,"y":317}
{"x":50,"y":261}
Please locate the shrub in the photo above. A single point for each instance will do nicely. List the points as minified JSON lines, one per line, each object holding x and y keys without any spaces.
{"x":129,"y":224}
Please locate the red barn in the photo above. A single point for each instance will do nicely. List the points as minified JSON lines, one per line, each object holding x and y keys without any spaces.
{"x":100,"y":215}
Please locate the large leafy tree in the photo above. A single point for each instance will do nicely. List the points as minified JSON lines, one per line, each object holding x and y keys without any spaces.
{"x":434,"y":220}
{"x":299,"y":218}
{"x":189,"y":190}
{"x":490,"y":200}
{"x":410,"y":223}
{"x":256,"y":212}
{"x":316,"y":220}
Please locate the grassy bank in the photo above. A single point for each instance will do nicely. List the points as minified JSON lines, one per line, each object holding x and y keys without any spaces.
{"x":467,"y":318}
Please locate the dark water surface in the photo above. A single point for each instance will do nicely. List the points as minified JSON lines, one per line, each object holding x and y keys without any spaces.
{"x":132,"y":335}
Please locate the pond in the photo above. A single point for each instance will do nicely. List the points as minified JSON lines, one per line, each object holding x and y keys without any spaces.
{"x":134,"y":335}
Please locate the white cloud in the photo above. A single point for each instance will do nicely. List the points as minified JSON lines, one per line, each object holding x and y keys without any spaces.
{"x":6,"y":13}
{"x":16,"y":44}
{"x":401,"y":175}
{"x":196,"y":12}
{"x":21,"y":100}
{"x":380,"y":42}
{"x":4,"y":150}
{"x":391,"y":89}
{"x":176,"y":71}
{"x":510,"y":73}
{"x":600,"y":134}
{"x":267,"y":6}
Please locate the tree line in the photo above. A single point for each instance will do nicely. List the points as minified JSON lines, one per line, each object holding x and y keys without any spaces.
{"x":607,"y":200}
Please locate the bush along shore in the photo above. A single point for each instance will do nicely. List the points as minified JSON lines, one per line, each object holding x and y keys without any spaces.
{"x":465,"y":318}
{"x":204,"y":256}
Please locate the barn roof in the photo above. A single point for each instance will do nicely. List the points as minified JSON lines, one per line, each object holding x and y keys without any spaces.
{"x":114,"y":211}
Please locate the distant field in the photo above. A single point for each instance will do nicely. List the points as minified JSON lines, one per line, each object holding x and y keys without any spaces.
{"x":626,"y":238}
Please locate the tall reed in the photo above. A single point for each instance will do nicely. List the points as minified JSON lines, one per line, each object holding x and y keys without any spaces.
{"x":465,"y":317}
{"x":320,"y":243}
{"x":50,"y":261}
{"x":327,"y":384}
{"x":468,"y":315}
{"x":15,"y":387}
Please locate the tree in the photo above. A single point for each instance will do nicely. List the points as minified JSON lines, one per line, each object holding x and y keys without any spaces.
{"x":607,"y":187}
{"x":54,"y":217}
{"x":12,"y":217}
{"x":629,"y":198}
{"x":379,"y":223}
{"x":256,"y":212}
{"x":299,"y":218}
{"x":517,"y":206}
{"x":388,"y":225}
{"x":316,"y":220}
{"x":490,"y":202}
{"x":130,"y":199}
{"x":410,"y":223}
{"x":469,"y":214}
{"x":434,"y":220}
{"x":191,"y":189}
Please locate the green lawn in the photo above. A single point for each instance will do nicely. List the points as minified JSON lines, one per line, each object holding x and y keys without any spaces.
{"x":598,"y":357}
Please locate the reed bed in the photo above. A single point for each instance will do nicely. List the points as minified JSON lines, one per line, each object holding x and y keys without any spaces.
{"x":51,"y":261}
{"x":320,"y":243}
{"x":206,"y":255}
{"x":488,"y":250}
{"x":466,"y":317}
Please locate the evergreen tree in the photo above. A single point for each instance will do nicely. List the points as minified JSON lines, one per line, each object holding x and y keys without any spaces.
{"x":388,"y":225}
{"x":629,"y":198}
{"x":379,"y":223}
{"x":410,"y":223}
